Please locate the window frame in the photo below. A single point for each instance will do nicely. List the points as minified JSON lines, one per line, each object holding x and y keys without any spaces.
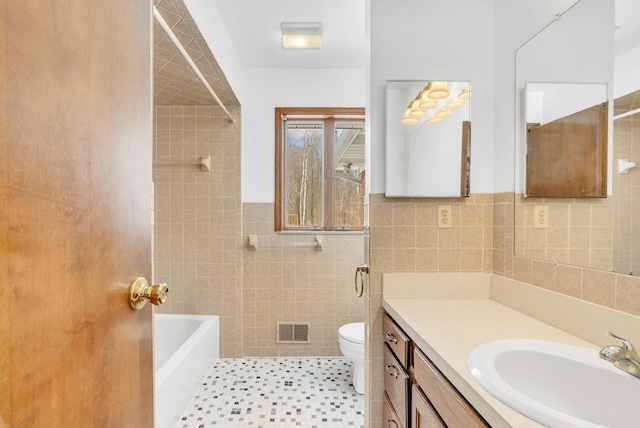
{"x":327,"y":114}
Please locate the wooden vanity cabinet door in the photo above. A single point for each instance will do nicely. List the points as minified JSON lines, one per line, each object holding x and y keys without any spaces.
{"x":397,"y":340}
{"x":452,"y":407}
{"x":423,"y":415}
{"x":396,"y":385}
{"x":390,"y":418}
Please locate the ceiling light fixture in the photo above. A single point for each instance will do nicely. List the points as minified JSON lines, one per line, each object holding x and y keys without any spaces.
{"x":415,"y":110}
{"x":444,"y":113}
{"x":431,"y":97}
{"x":455,"y":103}
{"x":438,"y":90}
{"x":426,"y":102}
{"x":408,"y":120}
{"x":301,"y":35}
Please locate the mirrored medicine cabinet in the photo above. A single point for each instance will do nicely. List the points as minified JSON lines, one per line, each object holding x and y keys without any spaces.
{"x":428,"y":138}
{"x":566,"y":133}
{"x":562,"y":73}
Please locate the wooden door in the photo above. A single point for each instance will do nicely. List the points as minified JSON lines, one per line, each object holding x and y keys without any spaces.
{"x":75,"y":227}
{"x":567,"y":158}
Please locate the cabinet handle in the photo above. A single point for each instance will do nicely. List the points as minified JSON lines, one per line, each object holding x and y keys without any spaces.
{"x":395,"y":424}
{"x":393,"y":372}
{"x":391,"y":338}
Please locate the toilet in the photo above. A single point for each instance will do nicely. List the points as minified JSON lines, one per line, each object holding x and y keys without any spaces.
{"x":351,"y":338}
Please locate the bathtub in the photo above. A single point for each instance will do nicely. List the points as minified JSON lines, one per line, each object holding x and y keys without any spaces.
{"x":185,"y":349}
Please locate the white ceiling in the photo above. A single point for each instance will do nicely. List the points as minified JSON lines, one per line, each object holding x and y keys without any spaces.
{"x":627,"y":18}
{"x":254,"y":29}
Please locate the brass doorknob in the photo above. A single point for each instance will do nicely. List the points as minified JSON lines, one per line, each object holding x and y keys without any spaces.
{"x":140,"y":293}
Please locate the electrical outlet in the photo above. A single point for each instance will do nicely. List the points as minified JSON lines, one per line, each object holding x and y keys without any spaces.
{"x":444,"y":217}
{"x":541,"y":219}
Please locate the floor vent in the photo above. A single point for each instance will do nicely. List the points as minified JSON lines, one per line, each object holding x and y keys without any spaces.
{"x":292,"y":332}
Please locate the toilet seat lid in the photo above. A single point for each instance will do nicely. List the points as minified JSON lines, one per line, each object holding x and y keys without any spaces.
{"x":353,"y":332}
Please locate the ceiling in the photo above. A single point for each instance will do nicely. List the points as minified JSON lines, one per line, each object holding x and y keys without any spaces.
{"x":257,"y":40}
{"x":174,"y":81}
{"x":254,"y":30}
{"x":627,"y":17}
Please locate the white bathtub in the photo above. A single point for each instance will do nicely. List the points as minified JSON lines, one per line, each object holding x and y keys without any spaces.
{"x":185,"y":349}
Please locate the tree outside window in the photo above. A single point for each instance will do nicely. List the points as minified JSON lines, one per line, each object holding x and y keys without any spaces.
{"x":320,"y":175}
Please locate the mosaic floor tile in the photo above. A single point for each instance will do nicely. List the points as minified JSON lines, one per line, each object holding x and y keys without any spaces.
{"x":277,"y":393}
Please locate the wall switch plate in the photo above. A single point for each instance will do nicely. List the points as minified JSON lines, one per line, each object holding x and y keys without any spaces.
{"x":444,"y":217}
{"x":541,"y":217}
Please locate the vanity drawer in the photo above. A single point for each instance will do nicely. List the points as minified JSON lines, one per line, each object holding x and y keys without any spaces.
{"x":396,"y":385}
{"x":423,"y":415}
{"x":390,"y":418}
{"x":396,"y":339}
{"x":452,"y":407}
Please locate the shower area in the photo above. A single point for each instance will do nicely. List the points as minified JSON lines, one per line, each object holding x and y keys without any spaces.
{"x":196,"y":175}
{"x":202,"y":228}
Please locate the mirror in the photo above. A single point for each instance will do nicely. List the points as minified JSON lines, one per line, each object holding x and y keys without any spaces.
{"x":578,"y":49}
{"x":626,"y":182}
{"x":428,"y":138}
{"x":566,"y":140}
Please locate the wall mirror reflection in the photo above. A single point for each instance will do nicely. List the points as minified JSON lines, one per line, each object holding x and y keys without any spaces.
{"x":428,"y":138}
{"x":593,"y":43}
{"x":626,"y":184}
{"x":566,"y":139}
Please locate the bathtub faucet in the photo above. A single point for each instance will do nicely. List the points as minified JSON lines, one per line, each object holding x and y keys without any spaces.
{"x":623,"y":357}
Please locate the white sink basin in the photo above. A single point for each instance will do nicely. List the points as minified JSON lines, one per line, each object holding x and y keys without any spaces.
{"x":557,"y":385}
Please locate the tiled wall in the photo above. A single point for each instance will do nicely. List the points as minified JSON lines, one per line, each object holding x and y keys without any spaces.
{"x":287,"y":279}
{"x":579,"y":232}
{"x":197,"y":247}
{"x":626,"y":145}
{"x":404,"y":237}
{"x":201,"y":247}
{"x":389,"y":244}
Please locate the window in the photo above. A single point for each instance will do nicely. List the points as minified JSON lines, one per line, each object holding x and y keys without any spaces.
{"x":320,"y":175}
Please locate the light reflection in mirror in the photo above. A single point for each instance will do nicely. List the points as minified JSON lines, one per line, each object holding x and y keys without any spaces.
{"x":427,"y":138}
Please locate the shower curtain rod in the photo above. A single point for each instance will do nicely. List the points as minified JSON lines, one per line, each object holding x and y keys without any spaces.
{"x":193,"y":65}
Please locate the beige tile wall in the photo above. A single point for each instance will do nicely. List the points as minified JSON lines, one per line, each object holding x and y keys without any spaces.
{"x":621,"y":292}
{"x":201,"y":252}
{"x":626,"y":145}
{"x":287,"y":279}
{"x":580,"y":232}
{"x":197,"y":246}
{"x":405,"y":238}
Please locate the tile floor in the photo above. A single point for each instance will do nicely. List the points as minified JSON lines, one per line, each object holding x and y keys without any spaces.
{"x":277,"y":393}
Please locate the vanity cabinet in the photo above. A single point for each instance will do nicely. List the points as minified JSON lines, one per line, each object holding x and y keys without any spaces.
{"x":423,"y":415}
{"x":389,"y":415}
{"x":397,"y":382}
{"x":417,"y":394}
{"x":452,"y":407}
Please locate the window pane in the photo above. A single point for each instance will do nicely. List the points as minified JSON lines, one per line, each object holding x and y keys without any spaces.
{"x":304,"y":174}
{"x":348,"y":182}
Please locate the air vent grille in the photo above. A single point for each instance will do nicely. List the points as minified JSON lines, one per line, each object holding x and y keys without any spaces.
{"x":292,"y":332}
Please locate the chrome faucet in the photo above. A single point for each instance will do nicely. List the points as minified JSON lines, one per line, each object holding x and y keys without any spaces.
{"x":623,"y":357}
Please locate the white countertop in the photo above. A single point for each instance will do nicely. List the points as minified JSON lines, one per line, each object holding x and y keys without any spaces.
{"x":446,"y":330}
{"x":448,"y":315}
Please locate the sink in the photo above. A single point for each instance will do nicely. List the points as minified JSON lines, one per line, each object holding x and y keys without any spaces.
{"x":557,"y":385}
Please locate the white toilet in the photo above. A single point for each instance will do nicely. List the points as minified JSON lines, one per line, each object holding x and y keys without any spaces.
{"x":351,"y":338}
